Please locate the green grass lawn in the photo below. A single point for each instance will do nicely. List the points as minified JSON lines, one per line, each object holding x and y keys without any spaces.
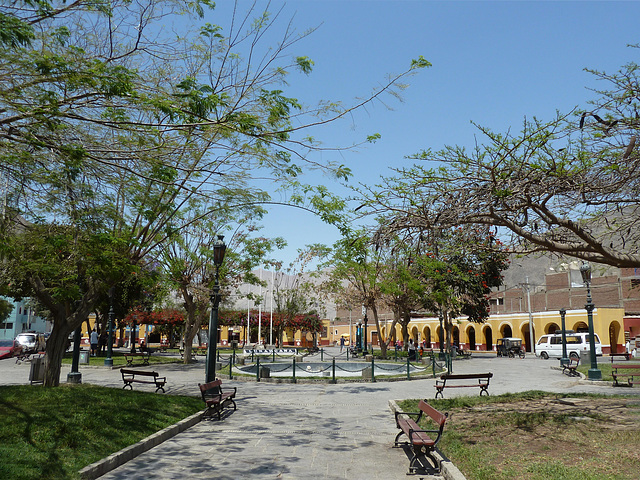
{"x":51,"y":433}
{"x":120,"y":361}
{"x":541,"y":436}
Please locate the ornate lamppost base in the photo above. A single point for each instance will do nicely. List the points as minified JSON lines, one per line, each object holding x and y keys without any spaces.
{"x":74,"y":377}
{"x":594,"y":374}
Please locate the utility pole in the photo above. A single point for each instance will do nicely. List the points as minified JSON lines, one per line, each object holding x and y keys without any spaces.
{"x":531,"y":336}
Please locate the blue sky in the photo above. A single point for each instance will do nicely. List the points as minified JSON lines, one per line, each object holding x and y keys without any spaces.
{"x":494,"y":63}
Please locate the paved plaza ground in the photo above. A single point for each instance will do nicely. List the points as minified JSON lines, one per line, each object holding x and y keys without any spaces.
{"x":295,"y":431}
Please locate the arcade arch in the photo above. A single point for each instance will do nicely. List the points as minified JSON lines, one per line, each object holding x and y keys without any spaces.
{"x":488,"y":337}
{"x":505,"y":330}
{"x":471,"y":337}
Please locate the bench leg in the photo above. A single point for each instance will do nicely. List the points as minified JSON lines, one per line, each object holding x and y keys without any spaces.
{"x":417,"y":453}
{"x":160,"y":387}
{"x":395,"y":442}
{"x":128,"y":384}
{"x":483,"y":389}
{"x":440,"y":391}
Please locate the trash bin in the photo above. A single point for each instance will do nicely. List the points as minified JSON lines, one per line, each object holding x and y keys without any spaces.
{"x":36,"y":374}
{"x":585,"y":357}
{"x":84,"y":357}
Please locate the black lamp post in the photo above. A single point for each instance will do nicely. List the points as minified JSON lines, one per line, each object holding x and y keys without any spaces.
{"x":364,"y":352}
{"x":564,"y":360}
{"x":441,"y":337}
{"x":219,"y":249}
{"x":594,"y":372}
{"x":74,"y":376}
{"x":108,"y":362}
{"x":134,"y":324}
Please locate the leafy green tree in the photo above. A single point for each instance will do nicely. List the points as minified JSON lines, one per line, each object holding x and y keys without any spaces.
{"x":188,"y":261}
{"x":112,"y":128}
{"x":459,"y":267}
{"x":356,"y":272}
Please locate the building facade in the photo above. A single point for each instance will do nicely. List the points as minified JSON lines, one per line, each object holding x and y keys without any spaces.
{"x":527,"y":311}
{"x":22,"y":319}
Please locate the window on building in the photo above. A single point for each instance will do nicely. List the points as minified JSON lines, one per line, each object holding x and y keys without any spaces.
{"x":6,"y":326}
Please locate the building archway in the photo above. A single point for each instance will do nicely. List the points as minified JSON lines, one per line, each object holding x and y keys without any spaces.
{"x":488,"y":335}
{"x":614,"y":333}
{"x":551,"y":327}
{"x":471,"y":335}
{"x":505,"y":330}
{"x":426,"y":336}
{"x":581,"y":327}
{"x":413,"y":334}
{"x":524,"y":331}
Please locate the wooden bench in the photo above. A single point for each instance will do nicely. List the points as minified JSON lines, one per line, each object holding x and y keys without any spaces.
{"x":216,"y":397}
{"x":630,"y":371}
{"x":463,"y":353}
{"x":130,"y":357}
{"x":626,"y":356}
{"x":419,"y":438}
{"x":129,"y":377}
{"x":571,"y":368}
{"x":446,"y":379}
{"x":193,"y":355}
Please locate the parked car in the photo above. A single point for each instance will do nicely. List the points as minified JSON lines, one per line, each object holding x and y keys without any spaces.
{"x":510,"y":347}
{"x":31,"y":342}
{"x":550,"y":345}
{"x":9,"y":348}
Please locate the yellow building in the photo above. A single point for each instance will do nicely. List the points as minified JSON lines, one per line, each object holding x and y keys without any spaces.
{"x":608,"y":325}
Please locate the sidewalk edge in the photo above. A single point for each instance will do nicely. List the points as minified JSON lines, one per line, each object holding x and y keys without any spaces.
{"x":117,"y":459}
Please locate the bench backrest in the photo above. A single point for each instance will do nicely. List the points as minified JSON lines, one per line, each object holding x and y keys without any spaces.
{"x":634,"y":366}
{"x":124,"y":371}
{"x":465,"y":376}
{"x":438,"y":417}
{"x":210,"y":388}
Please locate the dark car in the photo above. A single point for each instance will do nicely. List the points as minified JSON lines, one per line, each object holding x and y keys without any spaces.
{"x":509,"y":347}
{"x":9,"y":348}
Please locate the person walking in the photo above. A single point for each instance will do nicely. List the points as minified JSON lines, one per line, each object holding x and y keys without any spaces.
{"x":341,"y":343}
{"x":412,"y":350}
{"x":93,"y":340}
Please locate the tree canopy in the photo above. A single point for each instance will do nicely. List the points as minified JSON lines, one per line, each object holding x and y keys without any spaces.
{"x":568,"y":185}
{"x":118,"y":118}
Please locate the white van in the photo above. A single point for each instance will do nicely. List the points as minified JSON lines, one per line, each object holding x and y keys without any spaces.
{"x":550,"y":345}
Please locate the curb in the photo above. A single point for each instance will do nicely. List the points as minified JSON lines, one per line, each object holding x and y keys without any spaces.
{"x":117,"y":459}
{"x":448,"y":470}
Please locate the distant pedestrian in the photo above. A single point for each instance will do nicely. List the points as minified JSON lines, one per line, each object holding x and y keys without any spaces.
{"x":93,"y":340}
{"x":412,"y":350}
{"x":341,"y":343}
{"x":102,"y":342}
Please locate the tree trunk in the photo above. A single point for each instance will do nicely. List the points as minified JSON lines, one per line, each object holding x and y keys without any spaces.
{"x":56,"y":347}
{"x":448,"y":329}
{"x":384,"y":344}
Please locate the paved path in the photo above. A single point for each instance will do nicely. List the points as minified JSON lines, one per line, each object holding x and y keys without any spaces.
{"x":313,"y":431}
